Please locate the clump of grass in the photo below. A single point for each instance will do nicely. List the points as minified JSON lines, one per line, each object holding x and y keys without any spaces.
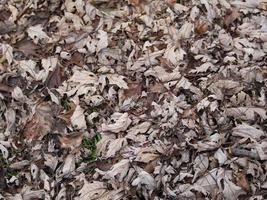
{"x":66,"y":104}
{"x":90,"y":144}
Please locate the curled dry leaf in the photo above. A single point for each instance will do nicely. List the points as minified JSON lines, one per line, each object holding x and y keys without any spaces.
{"x":201,"y":27}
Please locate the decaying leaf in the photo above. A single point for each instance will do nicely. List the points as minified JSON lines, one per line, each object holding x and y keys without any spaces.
{"x":40,"y":123}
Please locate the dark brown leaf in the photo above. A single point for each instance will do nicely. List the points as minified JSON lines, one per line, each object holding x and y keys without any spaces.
{"x":54,"y":78}
{"x":6,"y":27}
{"x":27,"y":47}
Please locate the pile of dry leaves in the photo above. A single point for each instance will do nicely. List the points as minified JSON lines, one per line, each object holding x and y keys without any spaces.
{"x":133,"y":99}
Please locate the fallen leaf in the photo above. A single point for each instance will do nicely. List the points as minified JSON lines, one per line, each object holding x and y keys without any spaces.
{"x":54,"y":78}
{"x":7,"y":52}
{"x":36,"y":33}
{"x":135,"y":2}
{"x":78,"y":118}
{"x":122,"y":121}
{"x":66,"y":116}
{"x":246,"y":113}
{"x":115,"y":79}
{"x":115,"y":146}
{"x":28,"y":48}
{"x":40,"y":124}
{"x":201,"y":27}
{"x":144,"y":179}
{"x":71,"y":141}
{"x":230,"y":18}
{"x":242,"y":181}
{"x":245,"y":130}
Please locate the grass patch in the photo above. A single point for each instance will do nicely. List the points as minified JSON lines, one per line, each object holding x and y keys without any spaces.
{"x":65,"y":104}
{"x":90,"y":144}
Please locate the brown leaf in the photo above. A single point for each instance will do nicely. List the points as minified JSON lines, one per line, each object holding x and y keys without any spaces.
{"x":157,"y":88}
{"x":5,"y":88}
{"x":167,"y":65}
{"x":27,"y":47}
{"x":71,"y":141}
{"x":135,"y":2}
{"x":76,"y":59}
{"x":40,"y":124}
{"x":201,"y":27}
{"x":67,"y":115}
{"x":189,"y":113}
{"x":230,"y":18}
{"x":6,"y":27}
{"x":4,"y":14}
{"x":171,"y":2}
{"x":54,"y":78}
{"x":134,"y":88}
{"x":150,"y":167}
{"x":242,"y":181}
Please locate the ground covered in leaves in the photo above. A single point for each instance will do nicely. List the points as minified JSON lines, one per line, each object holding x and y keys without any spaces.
{"x":116,"y":99}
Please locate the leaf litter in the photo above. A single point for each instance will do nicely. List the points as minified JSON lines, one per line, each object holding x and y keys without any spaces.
{"x":133,"y":99}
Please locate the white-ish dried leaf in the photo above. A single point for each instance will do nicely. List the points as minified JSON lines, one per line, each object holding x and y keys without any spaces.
{"x":122,"y":121}
{"x":78,"y":118}
{"x":247,"y":131}
{"x":115,"y":146}
{"x":246,"y":113}
{"x":91,"y":190}
{"x":103,"y":40}
{"x":36,"y":33}
{"x":144,"y":179}
{"x":118,"y":171}
{"x":202,"y":68}
{"x":68,"y":166}
{"x":220,"y":156}
{"x":7,"y":52}
{"x":174,"y":55}
{"x":115,"y":79}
